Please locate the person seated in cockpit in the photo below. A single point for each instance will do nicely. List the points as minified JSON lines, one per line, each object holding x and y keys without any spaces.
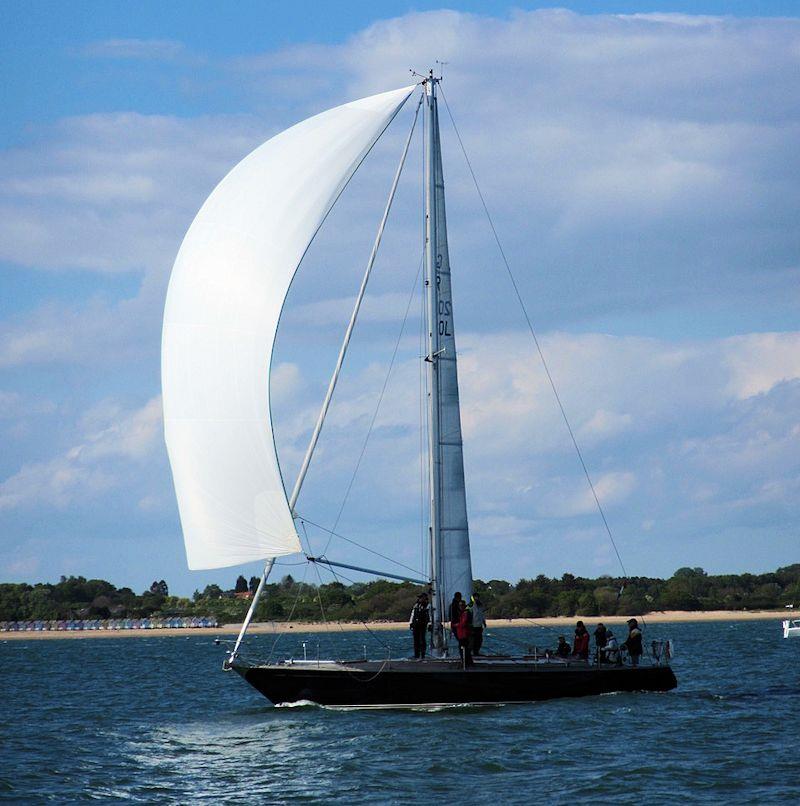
{"x":610,"y":652}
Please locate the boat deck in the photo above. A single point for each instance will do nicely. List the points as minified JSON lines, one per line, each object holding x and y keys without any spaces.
{"x":414,"y":666}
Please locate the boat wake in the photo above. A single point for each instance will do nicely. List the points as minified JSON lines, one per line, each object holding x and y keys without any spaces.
{"x":299,"y":704}
{"x":426,"y":708}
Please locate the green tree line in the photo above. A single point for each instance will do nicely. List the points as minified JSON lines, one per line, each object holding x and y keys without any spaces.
{"x":686,"y":589}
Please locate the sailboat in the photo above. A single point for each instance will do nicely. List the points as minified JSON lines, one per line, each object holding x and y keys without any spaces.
{"x":226,"y":294}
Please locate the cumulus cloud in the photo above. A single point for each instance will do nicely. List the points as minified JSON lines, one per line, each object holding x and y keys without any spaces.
{"x":759,"y":362}
{"x":113,"y":437}
{"x":113,"y":192}
{"x":375,"y":308}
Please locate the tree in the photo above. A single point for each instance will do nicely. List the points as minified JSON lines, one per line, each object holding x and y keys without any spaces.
{"x":566,"y":603}
{"x":212,"y":592}
{"x":606,"y":600}
{"x":241,"y":584}
{"x":587,"y":606}
{"x":252,"y":585}
{"x":632,"y":602}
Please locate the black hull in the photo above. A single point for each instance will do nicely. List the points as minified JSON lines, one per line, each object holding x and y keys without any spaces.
{"x":407,"y":684}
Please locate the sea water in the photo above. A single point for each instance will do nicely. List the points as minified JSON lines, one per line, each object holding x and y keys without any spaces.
{"x":157,"y":720}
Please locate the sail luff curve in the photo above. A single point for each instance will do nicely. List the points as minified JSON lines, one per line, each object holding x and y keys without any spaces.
{"x":226,"y":293}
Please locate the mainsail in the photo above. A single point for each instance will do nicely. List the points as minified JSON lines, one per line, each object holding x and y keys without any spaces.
{"x":449,"y":529}
{"x":225,"y":298}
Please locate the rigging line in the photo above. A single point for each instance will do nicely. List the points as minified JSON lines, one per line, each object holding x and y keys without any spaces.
{"x":312,"y":445}
{"x":319,"y":589}
{"x":291,"y":612}
{"x":297,"y":596}
{"x":366,"y":548}
{"x":535,"y":338}
{"x":377,"y":408}
{"x":540,"y":626}
{"x":363,"y":623}
{"x":319,"y":593}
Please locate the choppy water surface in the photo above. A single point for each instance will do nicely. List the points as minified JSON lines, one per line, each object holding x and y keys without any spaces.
{"x":155,"y":719}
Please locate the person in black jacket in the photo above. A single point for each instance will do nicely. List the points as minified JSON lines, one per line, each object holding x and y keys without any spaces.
{"x":600,"y":636}
{"x":633,"y":643}
{"x":418,"y":624}
{"x":600,"y":640}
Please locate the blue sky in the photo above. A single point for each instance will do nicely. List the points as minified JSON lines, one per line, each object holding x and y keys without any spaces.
{"x":641,"y":162}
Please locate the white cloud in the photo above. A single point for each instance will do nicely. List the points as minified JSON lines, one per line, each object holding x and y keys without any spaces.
{"x":112,"y":438}
{"x":94,"y":333}
{"x":604,"y":424}
{"x":384,"y":307}
{"x":611,"y":488}
{"x":759,"y":362}
{"x":113,"y":192}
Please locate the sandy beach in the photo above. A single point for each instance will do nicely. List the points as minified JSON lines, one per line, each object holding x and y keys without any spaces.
{"x":661,"y":617}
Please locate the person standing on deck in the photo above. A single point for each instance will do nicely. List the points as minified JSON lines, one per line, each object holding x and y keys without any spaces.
{"x":580,"y":648}
{"x":600,"y":637}
{"x":455,"y":612}
{"x":633,"y":643}
{"x":463,"y":630}
{"x":418,"y":624}
{"x":478,"y":625}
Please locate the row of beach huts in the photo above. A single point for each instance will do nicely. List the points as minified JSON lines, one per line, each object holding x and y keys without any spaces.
{"x":109,"y":624}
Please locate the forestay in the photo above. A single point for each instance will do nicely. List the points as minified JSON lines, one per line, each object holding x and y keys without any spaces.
{"x":224,"y":302}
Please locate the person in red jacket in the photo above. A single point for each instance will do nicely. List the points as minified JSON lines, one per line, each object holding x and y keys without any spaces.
{"x":580,"y":648}
{"x":463,"y":630}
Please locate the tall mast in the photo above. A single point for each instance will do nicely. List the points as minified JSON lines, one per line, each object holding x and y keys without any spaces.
{"x":432,"y":296}
{"x":451,"y":567}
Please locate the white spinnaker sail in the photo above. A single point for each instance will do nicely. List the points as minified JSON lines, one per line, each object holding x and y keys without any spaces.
{"x":225,"y":297}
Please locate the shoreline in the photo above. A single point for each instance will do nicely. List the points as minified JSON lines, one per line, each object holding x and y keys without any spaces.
{"x":272,"y":628}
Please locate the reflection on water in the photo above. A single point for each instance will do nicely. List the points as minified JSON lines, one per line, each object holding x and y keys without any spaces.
{"x":155,"y":719}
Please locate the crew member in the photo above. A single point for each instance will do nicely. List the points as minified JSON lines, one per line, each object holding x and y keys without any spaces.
{"x":463,"y":631}
{"x":610,"y":652}
{"x":455,"y":612}
{"x":478,"y":625}
{"x":418,"y":624}
{"x":600,"y":638}
{"x":633,"y":643}
{"x":580,"y":648}
{"x":563,"y":649}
